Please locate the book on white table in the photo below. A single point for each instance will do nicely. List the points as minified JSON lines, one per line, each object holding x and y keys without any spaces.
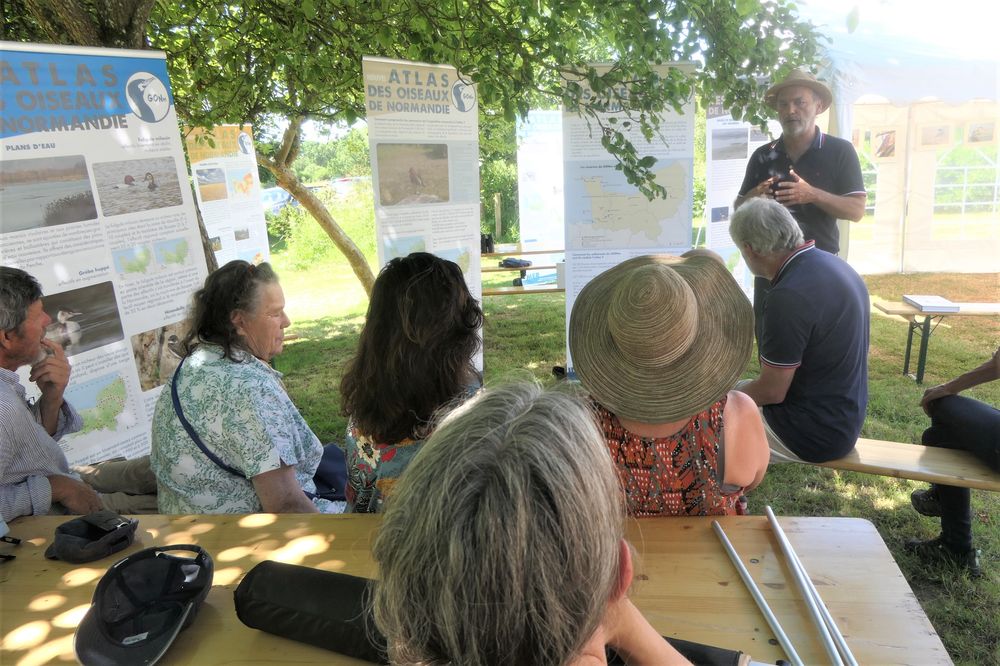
{"x":928,"y":303}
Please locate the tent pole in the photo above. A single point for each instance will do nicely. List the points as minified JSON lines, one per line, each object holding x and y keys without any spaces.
{"x":906,"y":189}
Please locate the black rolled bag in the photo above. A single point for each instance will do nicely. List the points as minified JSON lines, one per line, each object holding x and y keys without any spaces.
{"x":333,"y":611}
{"x":323,"y":608}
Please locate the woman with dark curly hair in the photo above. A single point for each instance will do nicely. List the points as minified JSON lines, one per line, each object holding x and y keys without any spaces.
{"x":226,"y":436}
{"x":415,"y":355}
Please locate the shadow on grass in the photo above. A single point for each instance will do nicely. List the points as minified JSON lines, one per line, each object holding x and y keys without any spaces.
{"x":312,"y":366}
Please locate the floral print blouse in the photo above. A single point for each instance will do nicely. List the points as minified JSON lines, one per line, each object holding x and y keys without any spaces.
{"x":373,"y":468}
{"x":678,"y":475}
{"x":243,"y":414}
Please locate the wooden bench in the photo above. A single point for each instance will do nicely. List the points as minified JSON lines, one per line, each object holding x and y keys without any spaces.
{"x":531,"y":289}
{"x":501,"y":269}
{"x":949,"y":467}
{"x":517,"y":253}
{"x":920,"y":322}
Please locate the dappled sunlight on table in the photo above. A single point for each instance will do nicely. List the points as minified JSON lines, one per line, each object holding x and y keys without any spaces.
{"x":71,"y":618}
{"x":233,"y":554}
{"x":26,"y":636}
{"x":255,"y":520}
{"x":300,"y":531}
{"x":684,"y":585}
{"x":81,"y":576}
{"x":226,"y":576}
{"x":61,"y":648}
{"x":197,"y":528}
{"x":298,"y":549}
{"x":187,"y":536}
{"x":330,"y":565}
{"x":46,"y":602}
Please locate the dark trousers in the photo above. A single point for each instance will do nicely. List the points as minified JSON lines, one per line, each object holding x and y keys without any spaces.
{"x":962,"y":423}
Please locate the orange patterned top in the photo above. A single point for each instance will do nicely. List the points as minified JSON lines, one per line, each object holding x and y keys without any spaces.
{"x":678,"y":475}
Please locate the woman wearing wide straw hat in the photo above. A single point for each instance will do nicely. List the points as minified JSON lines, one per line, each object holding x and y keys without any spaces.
{"x":658,"y":342}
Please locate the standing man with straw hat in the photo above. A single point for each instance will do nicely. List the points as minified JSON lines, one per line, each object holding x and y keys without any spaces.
{"x":815,"y":175}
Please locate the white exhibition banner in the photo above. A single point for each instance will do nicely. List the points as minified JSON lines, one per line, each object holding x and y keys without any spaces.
{"x":728,"y":145}
{"x":540,"y":190}
{"x":95,"y":203}
{"x":423,"y":133}
{"x":227,"y":187}
{"x":609,"y":220}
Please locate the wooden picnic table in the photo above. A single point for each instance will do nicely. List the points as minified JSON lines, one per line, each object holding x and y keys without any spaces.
{"x":685,"y":585}
{"x":920,"y":322}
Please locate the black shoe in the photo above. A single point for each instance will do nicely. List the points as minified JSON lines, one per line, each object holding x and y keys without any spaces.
{"x":936,"y":549}
{"x":926,"y":502}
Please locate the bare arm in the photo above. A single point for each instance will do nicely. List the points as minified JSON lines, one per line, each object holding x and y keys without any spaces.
{"x":76,"y":496}
{"x":798,"y":191}
{"x":772,"y":385}
{"x":747,"y":452}
{"x":633,"y":638}
{"x":987,"y":372}
{"x":636,"y":641}
{"x":279,"y":492}
{"x":51,"y":375}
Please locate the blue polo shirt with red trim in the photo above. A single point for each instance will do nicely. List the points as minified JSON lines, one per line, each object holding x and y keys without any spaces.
{"x":816,"y":321}
{"x":831,"y":164}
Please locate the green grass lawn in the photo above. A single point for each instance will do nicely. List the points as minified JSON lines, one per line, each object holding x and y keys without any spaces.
{"x":525,"y":336}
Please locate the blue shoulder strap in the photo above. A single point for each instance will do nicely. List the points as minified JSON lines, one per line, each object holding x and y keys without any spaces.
{"x":190,"y":430}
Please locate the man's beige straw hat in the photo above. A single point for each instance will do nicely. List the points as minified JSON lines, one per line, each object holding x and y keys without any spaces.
{"x":660,"y":338}
{"x":797,"y":77}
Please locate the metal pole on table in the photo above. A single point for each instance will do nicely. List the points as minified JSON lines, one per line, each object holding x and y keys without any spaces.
{"x":772,"y":621}
{"x":833,"y":640}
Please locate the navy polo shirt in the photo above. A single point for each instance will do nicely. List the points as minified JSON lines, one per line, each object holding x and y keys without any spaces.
{"x":831,"y":164}
{"x":816,"y":321}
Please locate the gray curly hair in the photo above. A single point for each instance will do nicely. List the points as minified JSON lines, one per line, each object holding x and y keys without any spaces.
{"x":18,"y":290}
{"x":500,"y":543}
{"x":766,"y":226}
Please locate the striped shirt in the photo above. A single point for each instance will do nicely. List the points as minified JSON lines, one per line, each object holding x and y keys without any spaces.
{"x":28,"y":454}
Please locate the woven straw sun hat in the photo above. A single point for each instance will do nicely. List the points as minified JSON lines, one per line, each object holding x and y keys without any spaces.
{"x":660,"y":338}
{"x":797,"y":77}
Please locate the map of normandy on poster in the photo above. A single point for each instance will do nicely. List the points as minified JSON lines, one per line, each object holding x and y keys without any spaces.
{"x":95,"y":203}
{"x":609,"y":220}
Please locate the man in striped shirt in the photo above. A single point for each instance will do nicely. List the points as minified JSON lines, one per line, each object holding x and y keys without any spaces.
{"x":35,"y":477}
{"x":813,"y":383}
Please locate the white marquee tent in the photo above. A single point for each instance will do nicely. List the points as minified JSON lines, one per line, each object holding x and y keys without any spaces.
{"x":926,"y":122}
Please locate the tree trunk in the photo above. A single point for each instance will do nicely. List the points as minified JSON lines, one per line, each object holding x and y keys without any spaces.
{"x":114,"y":23}
{"x":280,"y":166}
{"x":287,"y":180}
{"x":206,"y":243}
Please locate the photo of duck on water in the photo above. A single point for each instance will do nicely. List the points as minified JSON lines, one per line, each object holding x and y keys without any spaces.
{"x":44,"y":192}
{"x":135,"y":185}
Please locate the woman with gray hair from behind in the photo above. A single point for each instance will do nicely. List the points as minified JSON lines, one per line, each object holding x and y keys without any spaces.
{"x":503,"y":543}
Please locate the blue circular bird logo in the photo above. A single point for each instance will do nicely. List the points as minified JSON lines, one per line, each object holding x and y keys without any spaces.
{"x":147,"y":97}
{"x":463,"y":96}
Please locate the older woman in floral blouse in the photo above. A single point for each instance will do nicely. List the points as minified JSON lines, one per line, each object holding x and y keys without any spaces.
{"x":256,"y":452}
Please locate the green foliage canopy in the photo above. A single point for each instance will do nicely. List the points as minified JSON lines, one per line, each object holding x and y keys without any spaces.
{"x":244,"y":62}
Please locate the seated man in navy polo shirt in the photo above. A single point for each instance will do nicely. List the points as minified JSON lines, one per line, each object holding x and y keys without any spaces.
{"x":813,"y":383}
{"x":815,"y":175}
